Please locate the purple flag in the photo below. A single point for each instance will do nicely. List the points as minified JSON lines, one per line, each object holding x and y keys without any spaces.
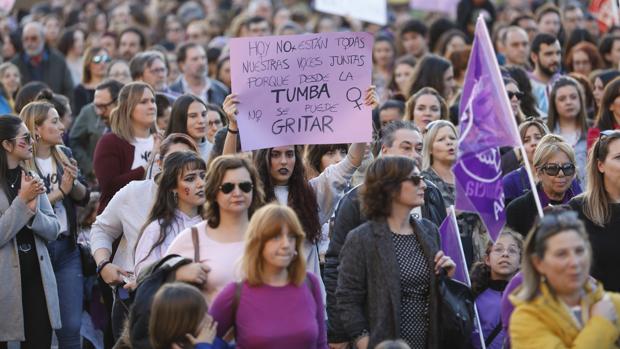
{"x":451,"y":246}
{"x":486,"y":123}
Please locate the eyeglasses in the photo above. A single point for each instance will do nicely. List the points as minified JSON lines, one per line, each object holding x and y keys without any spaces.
{"x":604,"y":134}
{"x":245,"y":187}
{"x":101,"y":59}
{"x":517,"y":94}
{"x":104,"y":106}
{"x":501,"y":250}
{"x":415,"y":179}
{"x":554,"y":169}
{"x":27,"y":138}
{"x":214,"y":123}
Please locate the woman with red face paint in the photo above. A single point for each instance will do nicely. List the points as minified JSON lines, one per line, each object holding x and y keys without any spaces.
{"x":178,"y":205}
{"x":28,"y":296}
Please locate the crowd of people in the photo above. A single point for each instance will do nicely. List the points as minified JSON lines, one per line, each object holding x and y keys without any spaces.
{"x":130,"y":217}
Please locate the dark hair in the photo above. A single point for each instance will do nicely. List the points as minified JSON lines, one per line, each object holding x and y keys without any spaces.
{"x":301,"y":196}
{"x":382,"y":183}
{"x":165,"y":205}
{"x":28,"y":93}
{"x":586,"y":86}
{"x":429,"y":73}
{"x":404,"y":60}
{"x":176,"y":138}
{"x":436,"y":30}
{"x":162,"y":102}
{"x":393,"y":104}
{"x":606,"y":45}
{"x":67,"y":39}
{"x":528,"y":102}
{"x":314,"y":153}
{"x":137,"y":32}
{"x":59,"y":102}
{"x":540,"y":39}
{"x":9,"y":128}
{"x":182,"y":50}
{"x":413,"y":26}
{"x":178,"y":116}
{"x":143,"y":60}
{"x":577,"y":36}
{"x":384,"y":38}
{"x":113,"y":86}
{"x":254,"y":20}
{"x":553,"y":115}
{"x":605,"y":119}
{"x":444,"y":39}
{"x":219,"y":111}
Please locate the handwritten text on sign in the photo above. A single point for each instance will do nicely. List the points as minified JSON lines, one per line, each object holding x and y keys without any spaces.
{"x":302,"y":89}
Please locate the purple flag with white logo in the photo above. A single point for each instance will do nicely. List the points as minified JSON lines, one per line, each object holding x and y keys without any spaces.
{"x":451,"y":246}
{"x":486,"y":123}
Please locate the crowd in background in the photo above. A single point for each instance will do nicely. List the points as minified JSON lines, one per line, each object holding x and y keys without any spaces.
{"x":131,"y":218}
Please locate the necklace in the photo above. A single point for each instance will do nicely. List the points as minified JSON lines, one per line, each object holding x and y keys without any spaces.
{"x":14,"y":182}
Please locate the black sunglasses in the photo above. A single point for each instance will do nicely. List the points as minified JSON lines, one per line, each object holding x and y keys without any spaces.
{"x":554,"y":169}
{"x":101,"y":58}
{"x":415,"y":179}
{"x":517,"y":94}
{"x":245,"y":187}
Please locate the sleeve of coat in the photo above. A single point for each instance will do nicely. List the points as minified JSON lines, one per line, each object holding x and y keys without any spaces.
{"x":45,"y":224}
{"x":351,"y":293}
{"x":13,"y":219}
{"x":528,"y":330}
{"x":347,"y":219}
{"x":107,"y":166}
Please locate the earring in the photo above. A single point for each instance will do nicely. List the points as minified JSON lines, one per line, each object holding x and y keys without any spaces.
{"x":175,"y":197}
{"x":37,"y":137}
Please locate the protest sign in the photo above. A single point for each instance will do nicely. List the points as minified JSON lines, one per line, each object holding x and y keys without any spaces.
{"x":374,"y":11}
{"x":302,"y":89}
{"x":444,"y":6}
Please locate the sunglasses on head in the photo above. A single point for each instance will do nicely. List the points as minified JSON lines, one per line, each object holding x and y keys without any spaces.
{"x":228,"y":187}
{"x":554,"y":169}
{"x":101,"y":58}
{"x":415,"y":179}
{"x":517,"y":94}
{"x":604,"y":134}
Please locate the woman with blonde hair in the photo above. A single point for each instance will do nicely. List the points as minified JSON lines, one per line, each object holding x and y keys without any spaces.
{"x":599,"y":208}
{"x":559,"y":305}
{"x":555,"y":165}
{"x":278,"y":304}
{"x":10,"y":82}
{"x":124,"y":154}
{"x":94,"y":70}
{"x":233,"y":193}
{"x":426,"y":106}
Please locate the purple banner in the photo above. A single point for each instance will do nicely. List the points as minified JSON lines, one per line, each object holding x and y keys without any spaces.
{"x":451,"y":246}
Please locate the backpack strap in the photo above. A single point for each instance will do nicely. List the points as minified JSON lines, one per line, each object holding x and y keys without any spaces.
{"x":196,"y":243}
{"x":493,"y":334}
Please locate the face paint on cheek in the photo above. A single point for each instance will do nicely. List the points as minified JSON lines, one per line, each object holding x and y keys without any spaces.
{"x":22,"y":145}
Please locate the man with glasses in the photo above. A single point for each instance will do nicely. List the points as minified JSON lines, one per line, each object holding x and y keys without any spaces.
{"x":38,"y":62}
{"x":92,"y":122}
{"x":150,"y":67}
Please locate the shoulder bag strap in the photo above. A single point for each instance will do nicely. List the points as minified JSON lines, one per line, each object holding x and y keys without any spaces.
{"x":196,"y":244}
{"x":493,"y":334}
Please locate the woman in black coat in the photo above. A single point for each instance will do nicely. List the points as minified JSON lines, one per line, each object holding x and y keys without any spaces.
{"x":386,"y":288}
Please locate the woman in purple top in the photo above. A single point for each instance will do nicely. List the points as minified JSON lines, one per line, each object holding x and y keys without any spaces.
{"x":489,"y":280}
{"x":278,"y":304}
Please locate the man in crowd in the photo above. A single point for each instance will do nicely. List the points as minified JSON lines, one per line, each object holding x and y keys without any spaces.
{"x":547,"y":57}
{"x":131,"y":41}
{"x":150,"y":67}
{"x":516,"y":46}
{"x":413,"y":37}
{"x":572,"y":18}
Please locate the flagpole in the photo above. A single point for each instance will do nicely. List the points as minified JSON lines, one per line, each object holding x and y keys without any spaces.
{"x":452,"y":215}
{"x":513,"y":122}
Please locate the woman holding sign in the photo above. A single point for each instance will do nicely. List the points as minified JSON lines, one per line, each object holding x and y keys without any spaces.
{"x":283,"y":174}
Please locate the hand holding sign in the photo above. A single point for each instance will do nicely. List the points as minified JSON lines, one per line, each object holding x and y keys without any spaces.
{"x":230,"y":108}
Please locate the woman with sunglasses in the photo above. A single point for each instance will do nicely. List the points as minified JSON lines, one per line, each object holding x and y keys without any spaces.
{"x":178,"y":205}
{"x":66,"y":190}
{"x":28,"y":296}
{"x":233,"y":192}
{"x":559,"y":305}
{"x":511,"y":156}
{"x":95,"y":65}
{"x":554,"y":163}
{"x":387,"y":286}
{"x":599,"y":208}
{"x":608,"y":117}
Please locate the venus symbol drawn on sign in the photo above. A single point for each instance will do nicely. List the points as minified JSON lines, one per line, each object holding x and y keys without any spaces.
{"x":355,"y":100}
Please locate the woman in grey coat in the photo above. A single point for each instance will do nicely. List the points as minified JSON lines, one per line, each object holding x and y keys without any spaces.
{"x":28,"y":296}
{"x":387,"y":287}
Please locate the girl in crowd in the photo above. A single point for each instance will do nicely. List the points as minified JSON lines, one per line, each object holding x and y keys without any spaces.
{"x":223,"y":71}
{"x":386,"y":283}
{"x":164,"y":110}
{"x":189,"y":115}
{"x":94,"y":69}
{"x":233,"y":193}
{"x":179,"y":319}
{"x":599,"y":208}
{"x":608,"y":117}
{"x":554,"y":163}
{"x":567,"y":117}
{"x":583,"y":58}
{"x":516,"y":183}
{"x":528,"y":101}
{"x":426,"y":106}
{"x":119,"y":70}
{"x":383,"y":55}
{"x":123,"y":219}
{"x":55,"y":165}
{"x":62,"y":106}
{"x":10,"y":82}
{"x":449,"y":42}
{"x":28,"y":296}
{"x":215,"y":121}
{"x":124,"y":154}
{"x":488,"y":281}
{"x":401,"y":77}
{"x":599,"y":82}
{"x":178,"y":205}
{"x":282,"y":172}
{"x":71,"y":45}
{"x":321,"y":156}
{"x":515,"y":96}
{"x":436,"y":72}
{"x":559,"y":305}
{"x":439,"y":155}
{"x":277,"y":304}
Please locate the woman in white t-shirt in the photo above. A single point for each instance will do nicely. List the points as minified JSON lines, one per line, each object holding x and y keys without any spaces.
{"x":55,"y":165}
